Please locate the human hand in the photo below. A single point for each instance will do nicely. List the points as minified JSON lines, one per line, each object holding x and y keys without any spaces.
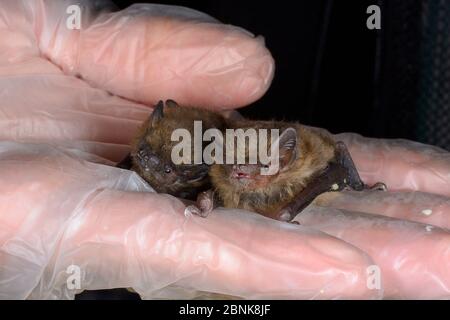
{"x":63,"y":206}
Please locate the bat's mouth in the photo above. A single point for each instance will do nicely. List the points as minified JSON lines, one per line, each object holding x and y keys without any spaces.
{"x":242,"y":172}
{"x":240,"y":175}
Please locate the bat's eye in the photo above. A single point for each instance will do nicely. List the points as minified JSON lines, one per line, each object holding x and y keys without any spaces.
{"x":167,"y":170}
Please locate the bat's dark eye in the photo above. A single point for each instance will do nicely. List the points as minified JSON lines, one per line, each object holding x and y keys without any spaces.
{"x":167,"y":170}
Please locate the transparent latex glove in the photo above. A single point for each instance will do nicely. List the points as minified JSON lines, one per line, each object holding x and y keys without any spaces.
{"x":62,"y":210}
{"x":70,"y":101}
{"x":406,"y":230}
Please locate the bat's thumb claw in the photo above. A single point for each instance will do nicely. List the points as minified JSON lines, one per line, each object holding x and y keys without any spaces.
{"x":285,"y":215}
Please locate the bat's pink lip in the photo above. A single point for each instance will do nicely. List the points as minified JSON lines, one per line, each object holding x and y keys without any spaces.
{"x":241,"y":175}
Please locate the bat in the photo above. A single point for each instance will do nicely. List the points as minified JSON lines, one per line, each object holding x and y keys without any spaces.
{"x":310,"y":163}
{"x":151,"y":150}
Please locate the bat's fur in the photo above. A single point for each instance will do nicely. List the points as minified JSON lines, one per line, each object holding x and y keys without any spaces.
{"x":270,"y":194}
{"x":184,"y":181}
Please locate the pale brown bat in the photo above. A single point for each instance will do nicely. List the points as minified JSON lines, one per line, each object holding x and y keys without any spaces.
{"x":151,"y":150}
{"x":310,"y":163}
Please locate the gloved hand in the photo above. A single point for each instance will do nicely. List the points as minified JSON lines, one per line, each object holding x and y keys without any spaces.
{"x":405,"y":230}
{"x":70,"y":102}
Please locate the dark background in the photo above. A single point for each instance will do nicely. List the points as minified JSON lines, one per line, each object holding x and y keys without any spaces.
{"x":333,"y":72}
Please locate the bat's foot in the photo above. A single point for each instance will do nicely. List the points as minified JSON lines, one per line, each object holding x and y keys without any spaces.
{"x":204,"y":206}
{"x":205,"y":201}
{"x":379,"y":186}
{"x":196,"y":211}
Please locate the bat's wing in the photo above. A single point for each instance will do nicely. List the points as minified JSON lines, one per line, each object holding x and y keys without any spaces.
{"x":339,"y":174}
{"x":344,"y":159}
{"x":126,"y":163}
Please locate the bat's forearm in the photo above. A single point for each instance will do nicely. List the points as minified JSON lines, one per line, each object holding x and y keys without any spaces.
{"x":339,"y":174}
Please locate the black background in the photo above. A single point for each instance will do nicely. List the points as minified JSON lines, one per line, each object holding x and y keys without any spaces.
{"x":333,"y":72}
{"x":324,"y":76}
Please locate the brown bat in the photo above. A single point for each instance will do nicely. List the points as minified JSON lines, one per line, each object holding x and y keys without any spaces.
{"x":310,"y":163}
{"x":151,"y":150}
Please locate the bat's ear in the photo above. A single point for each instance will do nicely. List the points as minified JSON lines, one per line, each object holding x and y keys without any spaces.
{"x":171,"y":104}
{"x":157,"y":114}
{"x":287,"y":143}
